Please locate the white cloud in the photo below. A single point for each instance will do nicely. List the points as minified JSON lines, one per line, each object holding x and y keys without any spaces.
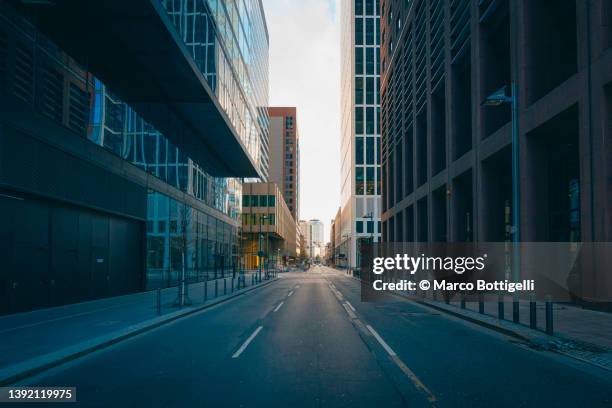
{"x":305,"y":72}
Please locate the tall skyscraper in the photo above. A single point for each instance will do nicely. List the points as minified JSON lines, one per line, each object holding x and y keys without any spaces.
{"x":451,"y":71}
{"x":109,"y":167}
{"x":285,"y":155}
{"x":360,"y":139}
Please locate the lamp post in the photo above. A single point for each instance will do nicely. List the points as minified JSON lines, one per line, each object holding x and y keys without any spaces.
{"x":498,"y":98}
{"x":262,"y":218}
{"x":346,"y":237}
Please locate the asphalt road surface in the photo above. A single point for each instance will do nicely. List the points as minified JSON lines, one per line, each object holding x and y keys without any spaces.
{"x":306,"y":340}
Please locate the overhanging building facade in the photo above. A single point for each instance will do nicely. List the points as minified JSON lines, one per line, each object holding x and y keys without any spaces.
{"x":360,"y":128}
{"x":125,"y":127}
{"x":446,"y":157}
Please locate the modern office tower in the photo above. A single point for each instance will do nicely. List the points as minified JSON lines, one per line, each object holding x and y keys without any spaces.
{"x":124,"y":131}
{"x":268,"y":228}
{"x":360,"y":140}
{"x":451,"y":70}
{"x":307,"y":237}
{"x":285,"y":155}
{"x":317,"y":238}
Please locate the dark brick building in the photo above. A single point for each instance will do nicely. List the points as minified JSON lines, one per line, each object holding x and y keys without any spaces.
{"x":447,"y":173}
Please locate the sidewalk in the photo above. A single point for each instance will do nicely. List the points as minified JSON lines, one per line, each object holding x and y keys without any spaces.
{"x":33,"y":341}
{"x":579,"y":333}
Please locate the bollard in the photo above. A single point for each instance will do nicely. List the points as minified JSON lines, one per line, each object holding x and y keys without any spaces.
{"x":216,"y":287}
{"x":206,"y":289}
{"x":158,"y":302}
{"x":232,"y":285}
{"x":549,"y":316}
{"x":500,"y":307}
{"x":515,"y":310}
{"x":533,"y":317}
{"x":224,"y":286}
{"x":480,"y":303}
{"x":462,"y":300}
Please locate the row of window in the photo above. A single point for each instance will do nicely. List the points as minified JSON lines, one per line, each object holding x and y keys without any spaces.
{"x":371,"y":126}
{"x":367,"y":7}
{"x":372,"y":25}
{"x":259,"y":201}
{"x":369,"y":227}
{"x":365,"y":180}
{"x":258,"y":219}
{"x":367,"y":153}
{"x":370,"y":65}
{"x":372,"y":96}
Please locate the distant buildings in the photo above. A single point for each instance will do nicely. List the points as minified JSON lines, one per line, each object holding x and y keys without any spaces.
{"x":447,"y":168}
{"x":268,"y":228}
{"x":117,"y":174}
{"x":314,"y":239}
{"x":360,"y":140}
{"x":285,"y":155}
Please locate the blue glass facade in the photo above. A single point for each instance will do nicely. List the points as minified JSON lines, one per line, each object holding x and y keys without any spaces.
{"x":141,"y":206}
{"x":228,"y":40}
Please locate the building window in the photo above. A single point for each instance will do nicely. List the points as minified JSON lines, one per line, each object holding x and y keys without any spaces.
{"x":359,"y":227}
{"x":271,"y":219}
{"x":359,"y":90}
{"x":359,"y":150}
{"x":254,"y":201}
{"x":359,"y":31}
{"x":370,"y":60}
{"x":359,"y":179}
{"x":359,"y":120}
{"x":271,"y":201}
{"x":263,"y":200}
{"x":370,"y":150}
{"x":370,"y":181}
{"x":253,"y":219}
{"x":370,"y":227}
{"x":359,"y":60}
{"x":370,"y":120}
{"x":246,"y":201}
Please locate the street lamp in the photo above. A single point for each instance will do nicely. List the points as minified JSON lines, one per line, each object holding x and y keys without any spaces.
{"x":262,"y":218}
{"x":498,"y":98}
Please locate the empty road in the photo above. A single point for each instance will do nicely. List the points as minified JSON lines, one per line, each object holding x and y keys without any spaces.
{"x":306,"y":340}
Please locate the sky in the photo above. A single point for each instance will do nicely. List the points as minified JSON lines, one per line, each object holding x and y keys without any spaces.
{"x":305,"y":73}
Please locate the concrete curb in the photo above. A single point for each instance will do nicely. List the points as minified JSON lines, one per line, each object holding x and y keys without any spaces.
{"x":532,"y":338}
{"x":11,"y":374}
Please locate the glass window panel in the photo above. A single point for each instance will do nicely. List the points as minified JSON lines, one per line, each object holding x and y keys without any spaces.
{"x":359,"y":60}
{"x":359,"y":90}
{"x":370,"y":90}
{"x":359,"y":31}
{"x":370,"y":31}
{"x":359,"y":227}
{"x":359,"y":120}
{"x":370,"y":181}
{"x":370,"y":150}
{"x":359,"y":150}
{"x":370,"y":120}
{"x":370,"y":60}
{"x":263,"y":200}
{"x":271,"y":201}
{"x":359,"y":180}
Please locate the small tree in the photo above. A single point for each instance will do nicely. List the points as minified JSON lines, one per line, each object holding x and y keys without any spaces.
{"x":185,"y":218}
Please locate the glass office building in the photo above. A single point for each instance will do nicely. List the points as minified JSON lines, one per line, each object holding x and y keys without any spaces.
{"x":360,"y":127}
{"x":99,"y":188}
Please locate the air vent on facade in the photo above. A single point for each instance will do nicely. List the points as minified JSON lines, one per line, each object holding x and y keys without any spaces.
{"x":52,"y":87}
{"x":24,"y":73}
{"x":77,"y":120}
